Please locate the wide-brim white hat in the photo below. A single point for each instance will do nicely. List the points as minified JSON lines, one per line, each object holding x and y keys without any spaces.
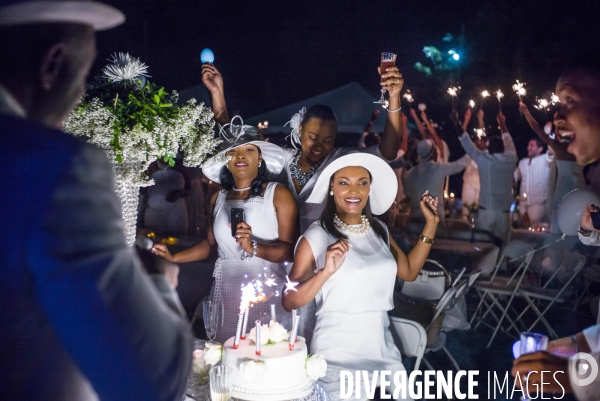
{"x":384,"y":184}
{"x":271,"y":154}
{"x":24,"y":12}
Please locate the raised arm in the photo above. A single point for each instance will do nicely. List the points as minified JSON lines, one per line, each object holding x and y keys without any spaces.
{"x":465,"y":124}
{"x":392,"y":81}
{"x":303,"y":272}
{"x":102,"y":305}
{"x":418,"y":123}
{"x":433,"y":135}
{"x":212,"y":79}
{"x":404,"y":140}
{"x":465,"y":139}
{"x":534,"y":124}
{"x":409,"y":266}
{"x":509,"y":145}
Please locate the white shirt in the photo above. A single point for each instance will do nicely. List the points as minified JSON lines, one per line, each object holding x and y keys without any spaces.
{"x":495,"y":172}
{"x":534,"y":175}
{"x":471,"y":174}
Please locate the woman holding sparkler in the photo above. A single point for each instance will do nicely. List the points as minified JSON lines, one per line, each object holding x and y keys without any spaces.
{"x":565,"y":175}
{"x":264,"y":214}
{"x":348,"y":263}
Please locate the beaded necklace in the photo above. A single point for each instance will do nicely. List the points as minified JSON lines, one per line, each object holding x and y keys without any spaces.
{"x":356,"y":229}
{"x":297,"y":173}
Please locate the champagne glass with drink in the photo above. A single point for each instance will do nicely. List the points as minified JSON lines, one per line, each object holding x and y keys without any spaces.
{"x":387,"y":60}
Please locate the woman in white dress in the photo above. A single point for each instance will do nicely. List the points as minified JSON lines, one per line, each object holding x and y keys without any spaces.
{"x":313,"y":136}
{"x":263,"y":243}
{"x":348,"y":263}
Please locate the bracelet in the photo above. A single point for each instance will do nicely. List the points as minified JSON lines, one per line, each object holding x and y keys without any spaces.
{"x":575,"y":343}
{"x":395,"y":111}
{"x":246,"y":255}
{"x":425,"y":239}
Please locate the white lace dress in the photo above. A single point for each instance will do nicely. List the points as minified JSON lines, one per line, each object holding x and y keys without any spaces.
{"x":231,"y":272}
{"x":352,"y":327}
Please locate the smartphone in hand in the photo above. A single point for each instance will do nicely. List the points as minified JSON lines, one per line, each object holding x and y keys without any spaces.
{"x":595,"y":213}
{"x":237,"y":215}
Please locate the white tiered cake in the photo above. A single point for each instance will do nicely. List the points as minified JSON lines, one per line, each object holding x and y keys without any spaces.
{"x":278,"y":373}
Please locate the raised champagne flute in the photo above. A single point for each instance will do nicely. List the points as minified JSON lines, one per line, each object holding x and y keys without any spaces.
{"x":387,"y":60}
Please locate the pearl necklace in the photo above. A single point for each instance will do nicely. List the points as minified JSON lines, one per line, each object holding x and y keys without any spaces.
{"x":241,"y":189}
{"x":356,"y":229}
{"x":298,"y":174}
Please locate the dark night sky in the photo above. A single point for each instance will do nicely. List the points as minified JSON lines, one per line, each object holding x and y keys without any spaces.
{"x":273,"y":53}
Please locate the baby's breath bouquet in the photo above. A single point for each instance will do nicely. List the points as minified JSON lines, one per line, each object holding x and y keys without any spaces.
{"x":136,"y":122}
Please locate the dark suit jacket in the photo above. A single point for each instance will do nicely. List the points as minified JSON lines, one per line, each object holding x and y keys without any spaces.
{"x":78,"y":315}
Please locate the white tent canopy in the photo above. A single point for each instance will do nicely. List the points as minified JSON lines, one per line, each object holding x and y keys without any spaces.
{"x":351,"y":103}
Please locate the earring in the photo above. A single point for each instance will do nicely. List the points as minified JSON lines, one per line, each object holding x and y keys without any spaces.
{"x":331,"y":193}
{"x":259,"y":164}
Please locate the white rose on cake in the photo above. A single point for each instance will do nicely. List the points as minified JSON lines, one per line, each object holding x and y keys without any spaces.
{"x":264,"y":334}
{"x":213,"y":353}
{"x":316,"y":366}
{"x":277,"y":333}
{"x":253,"y":371}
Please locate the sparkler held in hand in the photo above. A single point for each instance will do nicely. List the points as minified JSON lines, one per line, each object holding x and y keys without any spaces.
{"x":499,"y":96}
{"x":519,"y":89}
{"x":453,"y":91}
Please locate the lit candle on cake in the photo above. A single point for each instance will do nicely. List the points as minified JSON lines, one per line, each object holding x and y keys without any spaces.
{"x":245,"y":324}
{"x":273,"y":313}
{"x":294,"y":335}
{"x":257,"y":330}
{"x":238,"y":330}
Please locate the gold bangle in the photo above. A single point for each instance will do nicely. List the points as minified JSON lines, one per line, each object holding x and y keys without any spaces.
{"x":425,"y":239}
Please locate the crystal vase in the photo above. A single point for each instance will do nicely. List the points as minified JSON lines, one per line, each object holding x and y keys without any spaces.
{"x":128,"y":194}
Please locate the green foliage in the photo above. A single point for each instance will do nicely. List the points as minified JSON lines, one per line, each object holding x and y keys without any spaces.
{"x":134,"y":103}
{"x":438,"y":60}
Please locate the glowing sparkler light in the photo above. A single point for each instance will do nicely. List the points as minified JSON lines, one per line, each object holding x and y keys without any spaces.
{"x":554,"y":99}
{"x":499,"y":94}
{"x":290,"y":285}
{"x":485,"y":94}
{"x":542,"y":104}
{"x":270,"y":281}
{"x":480,"y":133}
{"x":408,"y":96}
{"x":519,"y":89}
{"x":251,"y":294}
{"x":471,"y":103}
{"x":453,"y":91}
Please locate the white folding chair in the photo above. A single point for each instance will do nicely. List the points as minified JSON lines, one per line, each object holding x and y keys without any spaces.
{"x":545,"y":294}
{"x":446,"y":302}
{"x":410,"y":338}
{"x":499,"y":292}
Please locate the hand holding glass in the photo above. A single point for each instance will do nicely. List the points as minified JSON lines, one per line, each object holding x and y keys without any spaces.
{"x":387,"y":60}
{"x":532,"y":342}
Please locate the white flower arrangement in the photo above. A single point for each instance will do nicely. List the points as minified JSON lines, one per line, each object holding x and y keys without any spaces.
{"x":316,"y":366}
{"x":137,"y":122}
{"x":272,"y":333}
{"x":213,"y":353}
{"x":253,"y":371}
